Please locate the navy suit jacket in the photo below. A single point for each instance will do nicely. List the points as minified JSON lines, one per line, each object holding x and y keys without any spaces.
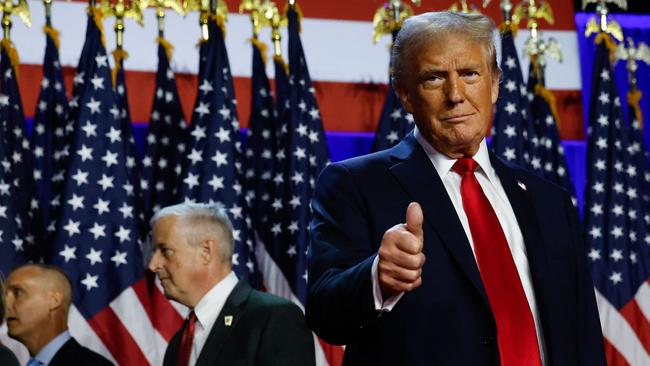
{"x":72,"y":353}
{"x":447,"y":320}
{"x":265,"y":330}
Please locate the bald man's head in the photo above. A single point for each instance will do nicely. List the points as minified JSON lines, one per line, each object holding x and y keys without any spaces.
{"x":38,"y":300}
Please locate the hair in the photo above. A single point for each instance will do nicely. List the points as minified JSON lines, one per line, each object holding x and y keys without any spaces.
{"x":201,"y":220}
{"x":419,"y":30}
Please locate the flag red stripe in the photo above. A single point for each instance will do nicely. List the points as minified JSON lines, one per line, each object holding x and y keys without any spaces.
{"x":614,"y":358}
{"x":638,"y":322}
{"x":117,"y":338}
{"x":333,"y":354}
{"x":164,"y":317}
{"x":363,"y":101}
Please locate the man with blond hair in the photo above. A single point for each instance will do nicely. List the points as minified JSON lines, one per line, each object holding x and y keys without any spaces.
{"x":436,"y":252}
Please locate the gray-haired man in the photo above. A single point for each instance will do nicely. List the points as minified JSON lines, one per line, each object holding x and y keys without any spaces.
{"x":229,"y":322}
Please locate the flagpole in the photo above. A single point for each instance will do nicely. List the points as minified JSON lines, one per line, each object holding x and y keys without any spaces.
{"x":48,"y":12}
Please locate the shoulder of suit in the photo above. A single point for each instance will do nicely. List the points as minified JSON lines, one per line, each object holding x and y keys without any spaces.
{"x":89,"y":356}
{"x":269,"y":302}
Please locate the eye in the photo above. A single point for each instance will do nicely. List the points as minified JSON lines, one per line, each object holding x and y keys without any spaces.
{"x":432,"y":80}
{"x":167,"y":252}
{"x":471,"y":75}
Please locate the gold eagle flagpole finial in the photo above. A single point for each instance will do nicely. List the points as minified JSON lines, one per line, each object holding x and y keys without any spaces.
{"x":604,"y":25}
{"x":120,"y":9}
{"x":9,"y":8}
{"x":463,"y":7}
{"x":160,"y":6}
{"x":533,"y":13}
{"x":215,"y":9}
{"x":389,"y":18}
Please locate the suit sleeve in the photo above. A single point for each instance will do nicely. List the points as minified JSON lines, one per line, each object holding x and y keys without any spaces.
{"x":590,"y":338}
{"x":340,"y":301}
{"x":287,"y":340}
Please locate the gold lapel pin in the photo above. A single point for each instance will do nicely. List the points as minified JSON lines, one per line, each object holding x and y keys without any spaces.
{"x":227,"y":320}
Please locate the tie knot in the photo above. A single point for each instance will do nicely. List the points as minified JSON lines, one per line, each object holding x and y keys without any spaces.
{"x":464,"y":165}
{"x":191,"y":318}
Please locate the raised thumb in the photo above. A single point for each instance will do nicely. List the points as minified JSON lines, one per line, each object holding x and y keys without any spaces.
{"x":414,"y":219}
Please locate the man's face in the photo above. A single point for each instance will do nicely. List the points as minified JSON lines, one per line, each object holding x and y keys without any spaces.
{"x":28,"y":303}
{"x":450,"y":91}
{"x":177,"y":263}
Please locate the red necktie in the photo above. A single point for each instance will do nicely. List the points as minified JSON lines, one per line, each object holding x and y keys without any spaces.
{"x":515,"y":327}
{"x":187,"y":339}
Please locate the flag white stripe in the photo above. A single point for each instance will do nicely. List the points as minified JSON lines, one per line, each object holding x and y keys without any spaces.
{"x":85,"y":335}
{"x":129,"y":310}
{"x":642,"y":298}
{"x":619,"y":333}
{"x":337,"y":50}
{"x":277,"y":284}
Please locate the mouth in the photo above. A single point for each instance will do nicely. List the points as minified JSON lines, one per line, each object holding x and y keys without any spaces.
{"x":457,"y":118}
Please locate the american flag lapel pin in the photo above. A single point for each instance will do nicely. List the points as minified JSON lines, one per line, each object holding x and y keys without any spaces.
{"x":521,"y":185}
{"x":227,"y":320}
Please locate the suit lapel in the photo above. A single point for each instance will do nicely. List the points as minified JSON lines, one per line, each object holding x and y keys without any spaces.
{"x":220,"y":330}
{"x":420,"y":180}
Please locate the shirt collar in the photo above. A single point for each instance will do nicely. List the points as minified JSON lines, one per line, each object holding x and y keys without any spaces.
{"x":46,"y":354}
{"x":442,"y":163}
{"x":210,"y":305}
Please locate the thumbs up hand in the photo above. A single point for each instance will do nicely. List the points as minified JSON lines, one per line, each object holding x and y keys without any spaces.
{"x":400,"y":254}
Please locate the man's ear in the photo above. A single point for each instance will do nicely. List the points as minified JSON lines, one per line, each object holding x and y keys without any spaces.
{"x":55,"y":299}
{"x":208,"y":248}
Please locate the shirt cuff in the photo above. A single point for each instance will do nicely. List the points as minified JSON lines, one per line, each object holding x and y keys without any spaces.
{"x":380,"y":304}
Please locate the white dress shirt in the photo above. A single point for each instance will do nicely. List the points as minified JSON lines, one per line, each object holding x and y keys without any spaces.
{"x":207,"y":310}
{"x":495,"y":193}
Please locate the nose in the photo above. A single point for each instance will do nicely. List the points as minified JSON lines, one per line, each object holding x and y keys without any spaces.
{"x":154,"y":262}
{"x":10,"y":304}
{"x":455,"y":90}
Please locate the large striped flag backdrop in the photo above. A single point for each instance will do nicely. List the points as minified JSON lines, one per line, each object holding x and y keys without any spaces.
{"x":617,"y":221}
{"x":97,"y":235}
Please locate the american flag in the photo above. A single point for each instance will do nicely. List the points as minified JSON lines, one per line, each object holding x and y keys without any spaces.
{"x":213,"y":168}
{"x":300,"y":158}
{"x":639,"y":147}
{"x":513,"y":133}
{"x":97,"y":237}
{"x":617,"y":222}
{"x":301,"y":155}
{"x":122,"y":113}
{"x":551,"y":151}
{"x":281,"y":84}
{"x":166,"y":140}
{"x":261,"y":145}
{"x":50,"y":144}
{"x":16,"y":180}
{"x":394,"y":122}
